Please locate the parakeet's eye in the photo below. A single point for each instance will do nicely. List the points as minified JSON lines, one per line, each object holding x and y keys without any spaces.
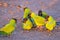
{"x":24,"y":20}
{"x":29,"y":15}
{"x":47,"y":18}
{"x":40,"y":12}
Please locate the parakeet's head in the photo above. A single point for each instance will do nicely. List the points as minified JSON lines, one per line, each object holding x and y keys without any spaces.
{"x":25,"y":8}
{"x":13,"y":20}
{"x":40,"y":12}
{"x":47,"y":17}
{"x":29,"y":15}
{"x":24,"y":20}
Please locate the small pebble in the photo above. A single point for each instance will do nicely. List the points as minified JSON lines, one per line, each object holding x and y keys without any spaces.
{"x":26,"y":2}
{"x":5,"y":4}
{"x":0,"y":4}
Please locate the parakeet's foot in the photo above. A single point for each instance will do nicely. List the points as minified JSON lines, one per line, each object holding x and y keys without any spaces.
{"x":34,"y":28}
{"x":49,"y":31}
{"x":40,"y":28}
{"x":50,"y":34}
{"x":24,"y":31}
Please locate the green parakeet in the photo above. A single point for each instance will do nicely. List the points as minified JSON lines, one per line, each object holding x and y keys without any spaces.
{"x":27,"y":24}
{"x":51,"y":23}
{"x":8,"y":28}
{"x":39,"y":21}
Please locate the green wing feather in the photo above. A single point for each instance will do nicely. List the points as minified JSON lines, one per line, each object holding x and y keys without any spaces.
{"x":26,"y":12}
{"x":8,"y":28}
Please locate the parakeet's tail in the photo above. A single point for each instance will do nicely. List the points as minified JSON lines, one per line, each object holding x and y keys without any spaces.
{"x":2,"y":33}
{"x":57,"y":23}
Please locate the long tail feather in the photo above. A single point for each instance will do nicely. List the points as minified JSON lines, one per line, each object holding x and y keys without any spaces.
{"x":2,"y":33}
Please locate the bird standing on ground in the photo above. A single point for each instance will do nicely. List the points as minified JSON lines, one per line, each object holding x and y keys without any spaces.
{"x":51,"y":23}
{"x":8,"y":28}
{"x":27,"y":24}
{"x":38,"y":20}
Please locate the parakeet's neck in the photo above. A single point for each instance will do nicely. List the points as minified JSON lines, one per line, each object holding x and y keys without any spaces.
{"x":12,"y":23}
{"x":33,"y":15}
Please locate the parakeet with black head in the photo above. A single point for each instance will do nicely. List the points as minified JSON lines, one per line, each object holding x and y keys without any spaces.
{"x":38,"y":20}
{"x":8,"y":28}
{"x":51,"y":23}
{"x":27,"y":24}
{"x":27,"y":12}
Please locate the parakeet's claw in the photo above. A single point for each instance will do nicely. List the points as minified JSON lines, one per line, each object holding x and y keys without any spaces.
{"x":8,"y":28}
{"x":40,"y":28}
{"x":48,"y":30}
{"x":24,"y":31}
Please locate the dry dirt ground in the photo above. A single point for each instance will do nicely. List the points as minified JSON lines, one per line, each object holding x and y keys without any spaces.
{"x":10,"y":8}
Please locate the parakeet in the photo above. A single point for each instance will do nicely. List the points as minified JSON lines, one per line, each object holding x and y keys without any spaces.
{"x":42,"y":13}
{"x":51,"y":23}
{"x":26,"y":12}
{"x":8,"y":28}
{"x":27,"y":24}
{"x":39,"y":21}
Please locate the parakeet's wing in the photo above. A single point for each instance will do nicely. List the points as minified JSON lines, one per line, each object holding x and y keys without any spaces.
{"x":27,"y":25}
{"x":51,"y":23}
{"x":8,"y":28}
{"x":44,"y":14}
{"x":38,"y":19}
{"x":26,"y":12}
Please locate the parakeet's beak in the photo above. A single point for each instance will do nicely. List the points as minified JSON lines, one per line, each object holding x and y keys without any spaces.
{"x":25,"y":8}
{"x":15,"y":19}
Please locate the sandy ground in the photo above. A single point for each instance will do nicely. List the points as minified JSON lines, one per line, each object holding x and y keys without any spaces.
{"x":10,"y":8}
